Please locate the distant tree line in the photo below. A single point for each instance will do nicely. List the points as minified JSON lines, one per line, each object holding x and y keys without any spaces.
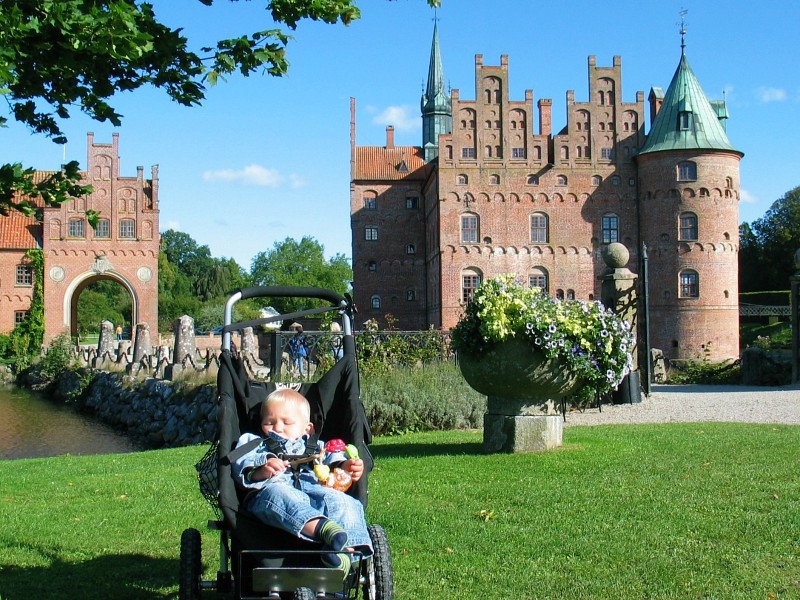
{"x":767,"y":246}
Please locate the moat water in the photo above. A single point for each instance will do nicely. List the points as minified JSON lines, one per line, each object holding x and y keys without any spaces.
{"x":34,"y":427}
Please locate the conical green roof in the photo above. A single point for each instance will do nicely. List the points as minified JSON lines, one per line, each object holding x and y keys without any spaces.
{"x":687,"y":120}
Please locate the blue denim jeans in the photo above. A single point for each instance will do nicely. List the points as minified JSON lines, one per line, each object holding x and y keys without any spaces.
{"x":283,"y":506}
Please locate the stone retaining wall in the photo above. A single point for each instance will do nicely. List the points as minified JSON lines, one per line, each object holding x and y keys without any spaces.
{"x":160,"y":413}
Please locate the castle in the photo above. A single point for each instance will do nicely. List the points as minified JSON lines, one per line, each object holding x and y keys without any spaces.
{"x":123,"y":246}
{"x":484,"y":194}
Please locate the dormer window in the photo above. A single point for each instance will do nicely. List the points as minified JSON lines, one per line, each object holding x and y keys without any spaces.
{"x":685,"y":120}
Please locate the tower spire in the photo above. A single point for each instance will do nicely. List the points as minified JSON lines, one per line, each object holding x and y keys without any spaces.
{"x":435,"y":104}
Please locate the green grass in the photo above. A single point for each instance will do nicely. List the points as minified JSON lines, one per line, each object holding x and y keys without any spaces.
{"x":647,"y":511}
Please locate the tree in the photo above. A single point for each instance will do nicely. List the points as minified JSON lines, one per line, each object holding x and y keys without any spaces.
{"x":187,"y":255}
{"x":60,"y":54}
{"x":769,"y":244}
{"x":303,"y":263}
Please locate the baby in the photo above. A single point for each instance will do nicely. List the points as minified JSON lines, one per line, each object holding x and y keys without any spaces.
{"x":291,"y":497}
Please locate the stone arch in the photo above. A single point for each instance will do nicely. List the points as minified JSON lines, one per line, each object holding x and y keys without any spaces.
{"x":80,"y":283}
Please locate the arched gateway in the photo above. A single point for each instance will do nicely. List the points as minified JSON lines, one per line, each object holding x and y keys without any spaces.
{"x":123,"y":247}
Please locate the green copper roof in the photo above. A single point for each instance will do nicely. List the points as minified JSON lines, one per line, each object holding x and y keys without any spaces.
{"x":687,"y":120}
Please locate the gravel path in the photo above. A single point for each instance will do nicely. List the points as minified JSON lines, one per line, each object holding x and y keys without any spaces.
{"x":696,"y":403}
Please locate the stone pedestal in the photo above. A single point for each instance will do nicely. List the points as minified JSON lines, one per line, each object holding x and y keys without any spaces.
{"x":521,"y":433}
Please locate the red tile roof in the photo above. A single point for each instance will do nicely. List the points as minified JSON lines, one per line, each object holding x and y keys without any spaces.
{"x":386,"y":164}
{"x":18,"y":232}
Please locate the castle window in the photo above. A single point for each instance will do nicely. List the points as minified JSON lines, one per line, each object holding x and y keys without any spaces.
{"x":537,"y":153}
{"x":539,"y":234}
{"x":463,"y":179}
{"x":538,"y":278}
{"x":103,"y":229}
{"x":412,"y":202}
{"x":127,"y":228}
{"x":561,"y":180}
{"x":688,"y":226}
{"x":518,"y":153}
{"x":533,"y":180}
{"x":631,"y":182}
{"x":606,"y":153}
{"x":19,"y":316}
{"x":24,"y":275}
{"x":488,"y":124}
{"x":610,"y":228}
{"x":75,"y":228}
{"x":690,"y":284}
{"x":597,"y":180}
{"x":449,"y":152}
{"x":411,"y":295}
{"x":498,"y":152}
{"x":494,"y":179}
{"x":615,"y":180}
{"x":570,"y":294}
{"x":371,"y":234}
{"x":685,"y":120}
{"x":411,"y":249}
{"x":372,"y":265}
{"x":487,"y":152}
{"x":564,"y":153}
{"x":728,"y":182}
{"x":370,"y":201}
{"x":559,"y":294}
{"x":470,"y":281}
{"x":375,"y":301}
{"x":469,"y":229}
{"x":468,"y":152}
{"x":687,"y":171}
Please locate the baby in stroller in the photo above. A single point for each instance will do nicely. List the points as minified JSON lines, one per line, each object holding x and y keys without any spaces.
{"x":283,"y":490}
{"x":302,"y":552}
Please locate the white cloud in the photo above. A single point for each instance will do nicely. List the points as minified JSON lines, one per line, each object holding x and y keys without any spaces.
{"x":403,"y":117}
{"x":250,"y":175}
{"x":747,"y":198}
{"x":297,"y":181}
{"x":771,"y":94}
{"x":174,"y":225}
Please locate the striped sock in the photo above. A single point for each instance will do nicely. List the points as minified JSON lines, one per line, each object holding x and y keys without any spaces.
{"x":334,"y":538}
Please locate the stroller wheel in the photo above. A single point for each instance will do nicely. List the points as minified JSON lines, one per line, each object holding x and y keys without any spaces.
{"x":304,"y":593}
{"x":191,"y":565}
{"x":379,"y":583}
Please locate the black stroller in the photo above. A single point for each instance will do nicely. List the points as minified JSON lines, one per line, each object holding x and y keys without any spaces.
{"x":257,"y":561}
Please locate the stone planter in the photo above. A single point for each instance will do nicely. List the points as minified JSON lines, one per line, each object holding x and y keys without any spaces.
{"x":523,"y":391}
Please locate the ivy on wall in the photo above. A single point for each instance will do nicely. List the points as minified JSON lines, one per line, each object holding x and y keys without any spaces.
{"x":25,"y":341}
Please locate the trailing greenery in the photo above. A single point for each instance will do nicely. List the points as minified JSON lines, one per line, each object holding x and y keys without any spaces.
{"x":646,"y":511}
{"x":773,"y":336}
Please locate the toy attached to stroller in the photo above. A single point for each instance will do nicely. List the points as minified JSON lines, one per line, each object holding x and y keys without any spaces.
{"x":258,"y":561}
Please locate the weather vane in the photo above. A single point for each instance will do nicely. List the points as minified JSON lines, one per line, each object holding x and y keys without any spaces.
{"x":683,"y":29}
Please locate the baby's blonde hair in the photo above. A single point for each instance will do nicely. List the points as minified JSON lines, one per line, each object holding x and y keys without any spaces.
{"x":289,"y":396}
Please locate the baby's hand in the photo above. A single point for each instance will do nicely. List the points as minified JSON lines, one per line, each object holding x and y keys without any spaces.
{"x":354,"y":466}
{"x":274,"y":466}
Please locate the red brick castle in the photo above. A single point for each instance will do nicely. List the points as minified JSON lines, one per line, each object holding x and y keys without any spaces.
{"x":487,"y":193}
{"x":123,"y":247}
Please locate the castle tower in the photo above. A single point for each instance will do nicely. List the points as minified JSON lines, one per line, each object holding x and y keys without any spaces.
{"x":437,"y":116}
{"x":689,"y":220}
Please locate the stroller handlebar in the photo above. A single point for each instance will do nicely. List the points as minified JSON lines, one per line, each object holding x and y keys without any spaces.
{"x":291,"y":291}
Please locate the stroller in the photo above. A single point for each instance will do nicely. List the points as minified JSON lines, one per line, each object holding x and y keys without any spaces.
{"x":258,"y":561}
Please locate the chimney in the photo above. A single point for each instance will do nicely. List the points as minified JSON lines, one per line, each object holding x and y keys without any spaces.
{"x":389,"y":137}
{"x":545,"y":116}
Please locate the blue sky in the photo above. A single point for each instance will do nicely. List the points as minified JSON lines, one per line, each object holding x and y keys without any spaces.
{"x":265,"y":159}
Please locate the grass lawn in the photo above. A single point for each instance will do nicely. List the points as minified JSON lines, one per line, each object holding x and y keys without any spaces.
{"x":645,"y":511}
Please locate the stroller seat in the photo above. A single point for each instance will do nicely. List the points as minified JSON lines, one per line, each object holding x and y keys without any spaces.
{"x":266,"y":562}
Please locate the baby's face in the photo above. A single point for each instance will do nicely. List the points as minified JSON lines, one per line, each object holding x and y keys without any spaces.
{"x":285,"y":419}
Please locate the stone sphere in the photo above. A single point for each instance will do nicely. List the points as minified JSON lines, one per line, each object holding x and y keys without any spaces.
{"x":616,"y":255}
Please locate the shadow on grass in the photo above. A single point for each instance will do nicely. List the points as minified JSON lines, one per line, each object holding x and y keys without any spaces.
{"x":118,"y":576}
{"x":426,"y":449}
